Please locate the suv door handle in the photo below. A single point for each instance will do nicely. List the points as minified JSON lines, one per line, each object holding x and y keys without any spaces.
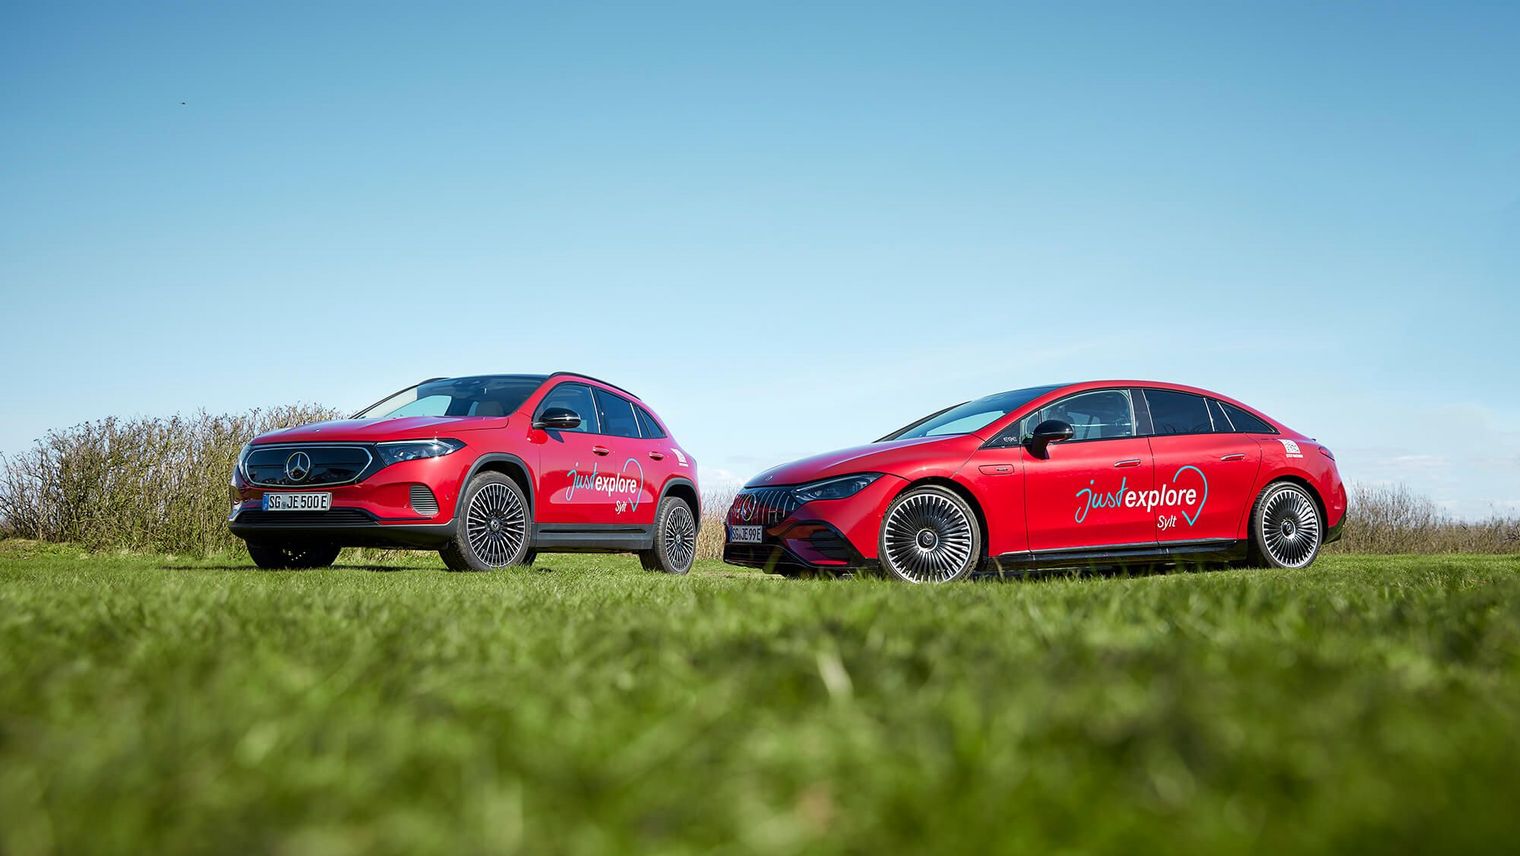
{"x":601,"y":450}
{"x":1128,"y":462}
{"x":1238,"y":456}
{"x":658,"y":456}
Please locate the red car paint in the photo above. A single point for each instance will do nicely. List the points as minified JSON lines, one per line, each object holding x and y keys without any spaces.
{"x":1144,"y":497}
{"x":622,"y":478}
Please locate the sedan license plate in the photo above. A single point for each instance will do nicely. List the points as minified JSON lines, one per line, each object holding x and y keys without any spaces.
{"x":297,"y":501}
{"x":744,"y":534}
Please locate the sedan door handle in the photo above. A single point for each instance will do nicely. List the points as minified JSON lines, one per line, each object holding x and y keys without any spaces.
{"x":658,"y":456}
{"x":601,"y":450}
{"x":1128,"y":462}
{"x":1238,"y":456}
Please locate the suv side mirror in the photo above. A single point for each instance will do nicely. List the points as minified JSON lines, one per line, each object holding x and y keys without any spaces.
{"x":1047,"y":432}
{"x":558,"y":419}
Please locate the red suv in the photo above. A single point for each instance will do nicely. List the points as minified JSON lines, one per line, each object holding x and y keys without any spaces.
{"x":1096,"y":473}
{"x":487,"y":470}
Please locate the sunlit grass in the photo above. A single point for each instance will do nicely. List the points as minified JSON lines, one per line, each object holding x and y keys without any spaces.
{"x":152,"y":704}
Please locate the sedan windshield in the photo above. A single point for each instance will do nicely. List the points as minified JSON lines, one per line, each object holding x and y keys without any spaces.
{"x":485,"y":395}
{"x":971,"y":416}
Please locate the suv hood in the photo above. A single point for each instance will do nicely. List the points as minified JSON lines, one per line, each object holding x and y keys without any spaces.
{"x":892,"y":456}
{"x":380,"y":430}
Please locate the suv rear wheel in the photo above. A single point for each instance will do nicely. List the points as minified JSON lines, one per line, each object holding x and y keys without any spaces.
{"x":492,"y":526}
{"x":277,"y":556}
{"x":675,"y":538}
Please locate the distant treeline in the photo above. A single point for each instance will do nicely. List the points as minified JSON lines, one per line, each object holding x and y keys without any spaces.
{"x":161,"y":485}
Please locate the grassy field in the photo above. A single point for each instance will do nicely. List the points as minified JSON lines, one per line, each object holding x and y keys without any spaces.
{"x":149,"y":704}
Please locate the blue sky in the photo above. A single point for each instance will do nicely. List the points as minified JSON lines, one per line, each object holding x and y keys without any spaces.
{"x":790,"y":227}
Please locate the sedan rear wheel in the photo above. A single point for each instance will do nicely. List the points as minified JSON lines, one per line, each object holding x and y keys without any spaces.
{"x":1285,"y":526}
{"x":276,"y":555}
{"x":930,"y":535}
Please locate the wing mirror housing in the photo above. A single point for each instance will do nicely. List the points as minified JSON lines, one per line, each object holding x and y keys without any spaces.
{"x":1047,"y":432}
{"x":558,"y":419}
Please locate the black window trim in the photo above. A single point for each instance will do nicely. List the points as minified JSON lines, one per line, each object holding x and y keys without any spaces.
{"x":999,"y":441}
{"x":1150,"y":428}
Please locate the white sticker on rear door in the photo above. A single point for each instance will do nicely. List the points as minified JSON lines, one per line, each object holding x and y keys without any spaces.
{"x":1291,"y":448}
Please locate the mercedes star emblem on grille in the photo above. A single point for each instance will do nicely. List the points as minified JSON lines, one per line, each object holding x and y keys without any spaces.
{"x":298,"y":466}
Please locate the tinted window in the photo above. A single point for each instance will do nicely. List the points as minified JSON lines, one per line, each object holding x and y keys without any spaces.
{"x":1103,"y":414}
{"x":971,"y":416}
{"x":1178,"y":412}
{"x":576,"y":397}
{"x":648,"y":426}
{"x":617,"y":415}
{"x":1244,"y":422}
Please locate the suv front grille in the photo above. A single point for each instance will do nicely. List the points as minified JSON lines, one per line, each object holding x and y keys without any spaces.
{"x":305,"y":465}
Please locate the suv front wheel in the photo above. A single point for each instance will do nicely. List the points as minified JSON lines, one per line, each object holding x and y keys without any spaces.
{"x":491,"y":530}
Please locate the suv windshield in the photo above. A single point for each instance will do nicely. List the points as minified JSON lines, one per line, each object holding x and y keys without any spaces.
{"x":486,"y":395}
{"x":971,"y":416}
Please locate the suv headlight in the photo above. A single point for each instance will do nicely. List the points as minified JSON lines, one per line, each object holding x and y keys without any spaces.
{"x":416,"y":450}
{"x":835,"y":488}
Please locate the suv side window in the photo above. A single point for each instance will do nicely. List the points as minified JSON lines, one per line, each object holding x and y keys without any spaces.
{"x":617,"y":414}
{"x":648,"y":426}
{"x":1245,"y":423}
{"x":1178,"y":412}
{"x":577,"y":397}
{"x":1103,"y":414}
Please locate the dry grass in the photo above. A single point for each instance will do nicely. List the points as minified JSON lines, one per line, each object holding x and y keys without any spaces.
{"x":1392,"y":519}
{"x":156,"y":485}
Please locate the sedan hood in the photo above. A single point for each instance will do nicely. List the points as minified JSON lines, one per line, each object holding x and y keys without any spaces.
{"x":380,"y":430}
{"x":898,"y":457}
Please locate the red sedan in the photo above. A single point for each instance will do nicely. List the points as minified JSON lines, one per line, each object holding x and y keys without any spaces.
{"x":1083,"y":474}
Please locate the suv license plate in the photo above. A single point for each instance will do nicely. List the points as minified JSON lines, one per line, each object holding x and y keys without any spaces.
{"x":297,"y":501}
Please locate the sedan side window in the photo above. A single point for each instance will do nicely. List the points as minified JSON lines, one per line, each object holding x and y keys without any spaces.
{"x":1103,"y":414}
{"x":576,"y":397}
{"x":1178,"y":412}
{"x":617,"y":414}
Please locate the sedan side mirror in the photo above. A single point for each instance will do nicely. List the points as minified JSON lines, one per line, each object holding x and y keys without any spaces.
{"x":1047,"y":432}
{"x":558,"y":419}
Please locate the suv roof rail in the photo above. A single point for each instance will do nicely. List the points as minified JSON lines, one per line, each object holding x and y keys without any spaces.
{"x":589,"y":377}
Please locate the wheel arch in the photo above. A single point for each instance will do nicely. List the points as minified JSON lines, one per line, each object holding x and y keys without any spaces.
{"x":684,"y":489}
{"x":1295,"y":478}
{"x":511,"y":466}
{"x":960,"y":490}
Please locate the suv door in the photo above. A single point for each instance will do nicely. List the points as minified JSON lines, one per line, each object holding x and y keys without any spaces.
{"x":569,"y":461}
{"x":1205,"y":469}
{"x":1081,"y":494}
{"x":630,"y":476}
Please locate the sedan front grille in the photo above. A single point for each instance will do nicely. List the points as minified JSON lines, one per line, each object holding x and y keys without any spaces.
{"x":765,"y":506}
{"x":305,"y":465}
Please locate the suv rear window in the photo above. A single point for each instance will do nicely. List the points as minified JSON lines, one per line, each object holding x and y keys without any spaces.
{"x":647,"y":424}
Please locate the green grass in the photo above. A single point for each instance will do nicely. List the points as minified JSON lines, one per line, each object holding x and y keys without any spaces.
{"x":149,"y":704}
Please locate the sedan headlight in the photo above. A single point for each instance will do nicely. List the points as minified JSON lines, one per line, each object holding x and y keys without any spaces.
{"x":835,"y":488}
{"x":416,"y":450}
